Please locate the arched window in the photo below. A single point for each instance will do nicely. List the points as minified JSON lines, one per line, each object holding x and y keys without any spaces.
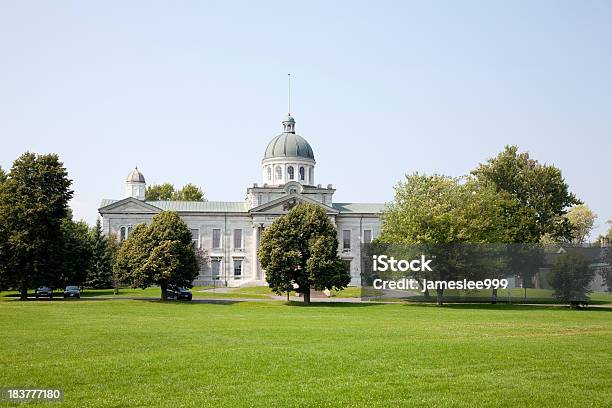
{"x":290,"y":172}
{"x":122,"y":234}
{"x":310,"y":175}
{"x":269,"y":173}
{"x":279,"y":173}
{"x":302,"y":174}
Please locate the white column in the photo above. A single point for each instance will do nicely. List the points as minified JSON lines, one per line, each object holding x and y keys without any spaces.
{"x":255,"y":260}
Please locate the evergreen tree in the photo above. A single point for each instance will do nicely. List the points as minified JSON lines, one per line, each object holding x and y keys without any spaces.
{"x":570,"y":277}
{"x":33,"y":202}
{"x":101,"y":272}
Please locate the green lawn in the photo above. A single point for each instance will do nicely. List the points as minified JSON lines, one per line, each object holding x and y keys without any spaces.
{"x":154,"y":292}
{"x":517,"y":295}
{"x":119,"y":353}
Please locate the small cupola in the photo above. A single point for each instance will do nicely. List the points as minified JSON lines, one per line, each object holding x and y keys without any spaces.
{"x":289,"y":125}
{"x":135,"y":185}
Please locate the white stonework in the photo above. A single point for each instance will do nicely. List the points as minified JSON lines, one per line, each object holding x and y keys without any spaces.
{"x":238,"y":225}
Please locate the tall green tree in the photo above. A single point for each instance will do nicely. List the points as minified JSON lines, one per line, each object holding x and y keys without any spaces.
{"x":540,"y":195}
{"x":438,"y":212}
{"x":190,"y":192}
{"x":3,"y":243}
{"x":102,"y":258}
{"x":299,"y":251}
{"x":160,"y":192}
{"x":76,"y":254}
{"x":33,"y":202}
{"x":161,"y":253}
{"x":440,"y":209}
{"x":167,"y":192}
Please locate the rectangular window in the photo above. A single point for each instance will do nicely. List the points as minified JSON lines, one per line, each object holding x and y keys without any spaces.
{"x":237,"y":268}
{"x":346,"y":239}
{"x":195,"y":237}
{"x":216,"y":238}
{"x":367,"y":236}
{"x":237,"y":239}
{"x":215,"y":265}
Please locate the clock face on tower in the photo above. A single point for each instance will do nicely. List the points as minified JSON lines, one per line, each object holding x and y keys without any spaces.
{"x":293,"y":187}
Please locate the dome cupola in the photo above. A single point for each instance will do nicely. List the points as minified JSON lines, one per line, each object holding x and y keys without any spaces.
{"x":136,"y":176}
{"x":135,"y":185}
{"x":288,"y":157}
{"x":288,"y":143}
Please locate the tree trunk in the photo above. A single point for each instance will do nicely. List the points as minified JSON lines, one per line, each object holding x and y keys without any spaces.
{"x":494,"y":297}
{"x":426,"y":295}
{"x":439,"y":297}
{"x":307,"y":296}
{"x":164,"y":287}
{"x":23,"y":291}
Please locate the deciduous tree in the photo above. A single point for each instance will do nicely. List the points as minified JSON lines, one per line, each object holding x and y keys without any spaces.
{"x":541,"y":195}
{"x":190,"y":192}
{"x":167,"y":192}
{"x":160,"y":192}
{"x":440,"y":212}
{"x":582,"y":219}
{"x":161,"y":253}
{"x":299,"y":251}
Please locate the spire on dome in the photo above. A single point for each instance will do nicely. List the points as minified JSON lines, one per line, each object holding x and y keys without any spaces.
{"x":289,"y":125}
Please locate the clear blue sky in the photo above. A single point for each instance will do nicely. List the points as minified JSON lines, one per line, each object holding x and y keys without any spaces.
{"x":193,"y":91}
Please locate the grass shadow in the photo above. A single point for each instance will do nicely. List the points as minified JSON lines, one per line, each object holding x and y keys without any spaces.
{"x":506,"y":306}
{"x":331,"y":304}
{"x":224,"y":302}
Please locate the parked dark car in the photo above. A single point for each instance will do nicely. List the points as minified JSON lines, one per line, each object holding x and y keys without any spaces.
{"x":178,"y":293}
{"x":44,"y":291}
{"x":72,"y":291}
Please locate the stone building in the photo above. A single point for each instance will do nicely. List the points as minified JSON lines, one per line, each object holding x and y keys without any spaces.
{"x":230,"y":231}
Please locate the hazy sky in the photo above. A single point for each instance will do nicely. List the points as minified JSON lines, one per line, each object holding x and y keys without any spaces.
{"x":193,"y":91}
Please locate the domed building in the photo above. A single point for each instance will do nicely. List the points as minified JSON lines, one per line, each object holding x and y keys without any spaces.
{"x":230,"y":230}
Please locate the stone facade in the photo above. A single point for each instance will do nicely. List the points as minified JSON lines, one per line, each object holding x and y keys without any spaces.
{"x":230,"y":231}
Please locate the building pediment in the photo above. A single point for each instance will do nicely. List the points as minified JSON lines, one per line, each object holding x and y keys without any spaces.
{"x":129,"y":206}
{"x":285,"y":203}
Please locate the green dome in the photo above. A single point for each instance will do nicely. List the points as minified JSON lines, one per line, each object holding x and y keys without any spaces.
{"x":288,"y":143}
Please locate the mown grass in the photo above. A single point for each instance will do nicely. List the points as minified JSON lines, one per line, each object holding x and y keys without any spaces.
{"x":125,"y":353}
{"x":198,"y":292}
{"x":516,"y":295}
